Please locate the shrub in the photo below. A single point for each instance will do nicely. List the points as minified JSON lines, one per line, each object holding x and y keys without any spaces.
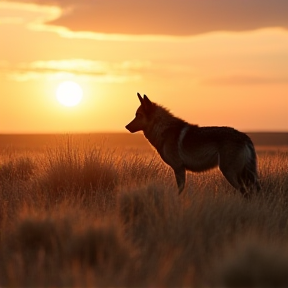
{"x":254,"y":265}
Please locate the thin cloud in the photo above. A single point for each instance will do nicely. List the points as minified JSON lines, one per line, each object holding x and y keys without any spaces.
{"x":125,"y":71}
{"x":99,"y":71}
{"x":167,"y":17}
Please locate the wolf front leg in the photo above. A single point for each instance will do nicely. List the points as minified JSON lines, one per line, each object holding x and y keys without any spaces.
{"x":180,"y":174}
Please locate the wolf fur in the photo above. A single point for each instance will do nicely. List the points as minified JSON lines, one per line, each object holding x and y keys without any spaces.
{"x":184,"y":146}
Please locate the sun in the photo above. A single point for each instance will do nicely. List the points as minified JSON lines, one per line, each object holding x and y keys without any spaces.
{"x":69,"y":93}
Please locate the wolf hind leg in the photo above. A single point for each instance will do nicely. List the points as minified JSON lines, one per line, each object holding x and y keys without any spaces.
{"x":232,"y":177}
{"x":258,"y":185}
{"x":180,"y":174}
{"x":249,"y":187}
{"x":249,"y":178}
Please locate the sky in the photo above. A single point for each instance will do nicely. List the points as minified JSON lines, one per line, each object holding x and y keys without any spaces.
{"x":212,"y":63}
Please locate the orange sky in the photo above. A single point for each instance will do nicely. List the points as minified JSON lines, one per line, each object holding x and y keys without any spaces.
{"x":210,"y":62}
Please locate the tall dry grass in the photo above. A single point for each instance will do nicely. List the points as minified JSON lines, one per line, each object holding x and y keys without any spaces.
{"x":79,"y":215}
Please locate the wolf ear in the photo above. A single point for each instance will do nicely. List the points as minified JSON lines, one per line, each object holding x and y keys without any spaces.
{"x":146,"y":99}
{"x":147,"y":102}
{"x":140,"y":98}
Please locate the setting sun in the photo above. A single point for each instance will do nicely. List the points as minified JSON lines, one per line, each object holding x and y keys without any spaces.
{"x":69,"y":93}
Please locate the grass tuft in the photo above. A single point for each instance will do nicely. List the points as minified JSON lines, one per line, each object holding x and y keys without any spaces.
{"x":21,"y":168}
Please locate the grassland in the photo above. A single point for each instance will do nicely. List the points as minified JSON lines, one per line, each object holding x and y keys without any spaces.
{"x":79,"y":214}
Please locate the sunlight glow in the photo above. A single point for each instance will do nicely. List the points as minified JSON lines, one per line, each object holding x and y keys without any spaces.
{"x":69,"y":93}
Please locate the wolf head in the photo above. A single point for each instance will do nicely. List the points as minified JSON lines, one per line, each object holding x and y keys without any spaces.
{"x":143,"y":113}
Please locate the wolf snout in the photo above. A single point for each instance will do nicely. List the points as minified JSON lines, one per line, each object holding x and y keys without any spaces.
{"x":128,"y":128}
{"x":131,"y":127}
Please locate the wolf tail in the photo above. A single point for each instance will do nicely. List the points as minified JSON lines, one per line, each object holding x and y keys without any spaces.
{"x":249,"y":175}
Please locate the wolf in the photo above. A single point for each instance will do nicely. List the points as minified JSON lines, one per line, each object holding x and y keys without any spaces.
{"x":185,"y":146}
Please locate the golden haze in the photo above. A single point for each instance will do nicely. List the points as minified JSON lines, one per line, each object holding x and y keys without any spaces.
{"x":222,"y":77}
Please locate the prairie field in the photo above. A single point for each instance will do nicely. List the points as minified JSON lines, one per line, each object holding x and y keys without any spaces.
{"x":85,"y":213}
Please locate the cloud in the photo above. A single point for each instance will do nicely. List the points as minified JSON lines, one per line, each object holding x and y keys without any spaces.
{"x":126,"y":71}
{"x":99,"y":71}
{"x":167,"y":17}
